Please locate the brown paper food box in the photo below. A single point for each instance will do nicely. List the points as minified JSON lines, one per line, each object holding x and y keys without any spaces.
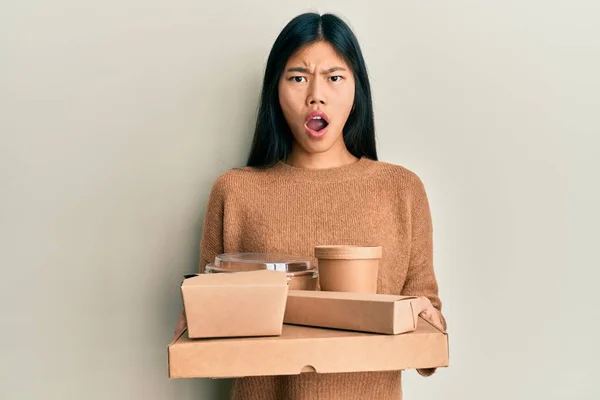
{"x":378,"y":313}
{"x":307,"y":349}
{"x":235,"y":305}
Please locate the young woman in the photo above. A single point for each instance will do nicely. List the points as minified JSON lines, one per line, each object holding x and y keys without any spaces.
{"x":313,"y":178}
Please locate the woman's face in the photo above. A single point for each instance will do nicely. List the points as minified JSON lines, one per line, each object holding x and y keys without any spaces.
{"x":316,"y":94}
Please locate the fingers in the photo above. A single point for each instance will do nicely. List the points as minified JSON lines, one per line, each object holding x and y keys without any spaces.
{"x":181,"y":326}
{"x":178,"y":332}
{"x":424,"y":304}
{"x":430,"y":313}
{"x":433,"y":317}
{"x":437,"y":322}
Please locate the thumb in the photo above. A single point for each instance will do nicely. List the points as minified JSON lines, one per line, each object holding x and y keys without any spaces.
{"x":423,"y":305}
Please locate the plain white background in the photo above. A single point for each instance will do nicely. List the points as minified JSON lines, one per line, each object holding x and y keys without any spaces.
{"x":116,"y":116}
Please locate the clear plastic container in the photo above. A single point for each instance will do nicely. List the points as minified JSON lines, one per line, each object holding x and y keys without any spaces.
{"x":254,"y":261}
{"x":301,"y":275}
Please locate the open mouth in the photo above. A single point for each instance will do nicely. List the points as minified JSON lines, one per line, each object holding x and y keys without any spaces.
{"x":316,"y":123}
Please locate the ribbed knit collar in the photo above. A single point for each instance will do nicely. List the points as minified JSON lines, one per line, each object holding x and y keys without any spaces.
{"x":361,"y":168}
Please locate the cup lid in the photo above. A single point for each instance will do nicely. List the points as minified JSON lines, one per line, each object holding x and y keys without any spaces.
{"x":253,"y":261}
{"x":344,"y":252}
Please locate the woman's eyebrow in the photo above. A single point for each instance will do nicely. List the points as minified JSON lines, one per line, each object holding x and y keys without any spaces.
{"x":304,"y":70}
{"x":335,"y":69}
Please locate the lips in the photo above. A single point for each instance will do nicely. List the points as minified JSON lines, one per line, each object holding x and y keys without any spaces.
{"x":316,"y":123}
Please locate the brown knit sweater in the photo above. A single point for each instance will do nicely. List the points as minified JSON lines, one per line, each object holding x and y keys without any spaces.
{"x":290,"y":210}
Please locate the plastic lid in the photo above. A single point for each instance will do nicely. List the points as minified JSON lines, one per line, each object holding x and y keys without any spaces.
{"x":348,"y":252}
{"x":254,"y":261}
{"x":210,"y":268}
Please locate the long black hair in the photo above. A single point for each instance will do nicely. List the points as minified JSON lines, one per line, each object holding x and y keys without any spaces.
{"x":272,"y":136}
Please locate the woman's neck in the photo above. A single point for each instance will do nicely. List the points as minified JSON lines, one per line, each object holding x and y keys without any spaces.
{"x":324,"y":160}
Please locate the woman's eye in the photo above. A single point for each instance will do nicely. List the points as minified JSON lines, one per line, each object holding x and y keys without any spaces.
{"x":298,"y":79}
{"x":336,"y":78}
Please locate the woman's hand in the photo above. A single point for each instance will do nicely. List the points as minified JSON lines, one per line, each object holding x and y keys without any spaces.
{"x":181,"y":326}
{"x":430,"y":313}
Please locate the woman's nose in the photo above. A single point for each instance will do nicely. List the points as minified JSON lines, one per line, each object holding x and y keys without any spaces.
{"x":315,"y":95}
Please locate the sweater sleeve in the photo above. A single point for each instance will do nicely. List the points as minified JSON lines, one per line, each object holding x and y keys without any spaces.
{"x":421,"y":279}
{"x":211,"y":242}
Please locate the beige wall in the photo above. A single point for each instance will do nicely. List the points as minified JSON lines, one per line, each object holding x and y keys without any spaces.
{"x":116,"y":116}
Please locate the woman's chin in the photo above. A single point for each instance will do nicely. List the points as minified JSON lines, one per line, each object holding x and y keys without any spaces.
{"x":316,"y":142}
{"x":316,"y":147}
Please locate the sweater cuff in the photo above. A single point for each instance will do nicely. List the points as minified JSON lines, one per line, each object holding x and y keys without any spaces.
{"x":426,"y":371}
